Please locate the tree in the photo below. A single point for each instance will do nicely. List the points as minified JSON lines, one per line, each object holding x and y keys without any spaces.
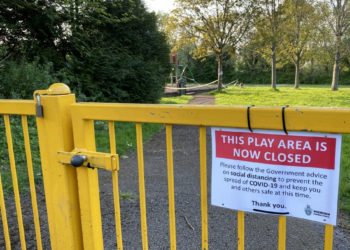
{"x":298,"y":28}
{"x":119,"y":54}
{"x":32,"y":29}
{"x":107,"y":50}
{"x":213,"y":26}
{"x":269,"y":27}
{"x":339,"y":20}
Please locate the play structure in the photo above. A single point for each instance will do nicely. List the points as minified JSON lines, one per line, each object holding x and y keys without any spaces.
{"x":181,"y":75}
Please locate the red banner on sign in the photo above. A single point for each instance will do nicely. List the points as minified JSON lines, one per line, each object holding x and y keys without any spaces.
{"x":289,"y":150}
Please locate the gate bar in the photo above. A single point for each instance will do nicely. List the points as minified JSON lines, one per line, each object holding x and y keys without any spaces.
{"x":4,"y":218}
{"x":115,"y":179}
{"x":203,"y":184}
{"x":89,"y":194}
{"x":328,"y":120}
{"x":240,"y":226}
{"x":282,"y":231}
{"x":142,"y":186}
{"x":328,"y":237}
{"x":15,"y":181}
{"x":171,"y":189}
{"x":17,"y":107}
{"x":31,"y":181}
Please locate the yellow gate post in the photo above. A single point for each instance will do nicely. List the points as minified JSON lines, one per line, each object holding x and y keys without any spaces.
{"x":60,"y":182}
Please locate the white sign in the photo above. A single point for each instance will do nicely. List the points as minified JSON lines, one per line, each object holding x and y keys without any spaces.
{"x":271,"y":172}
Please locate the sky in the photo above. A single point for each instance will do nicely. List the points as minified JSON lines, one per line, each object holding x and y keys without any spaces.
{"x":159,"y":5}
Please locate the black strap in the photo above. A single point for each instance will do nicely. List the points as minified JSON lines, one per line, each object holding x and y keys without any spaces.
{"x":284,"y":119}
{"x":248,"y":118}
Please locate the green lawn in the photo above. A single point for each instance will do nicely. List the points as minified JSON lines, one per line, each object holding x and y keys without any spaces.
{"x":320,"y":96}
{"x":176,"y":100}
{"x":265,"y":96}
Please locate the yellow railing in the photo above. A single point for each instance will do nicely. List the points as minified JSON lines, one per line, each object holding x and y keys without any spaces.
{"x":23,"y":109}
{"x":72,"y":194}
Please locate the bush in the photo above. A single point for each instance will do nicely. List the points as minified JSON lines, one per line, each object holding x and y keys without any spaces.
{"x":18,"y":80}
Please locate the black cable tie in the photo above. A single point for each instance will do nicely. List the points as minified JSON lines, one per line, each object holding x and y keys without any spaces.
{"x":284,"y":119}
{"x":248,"y":118}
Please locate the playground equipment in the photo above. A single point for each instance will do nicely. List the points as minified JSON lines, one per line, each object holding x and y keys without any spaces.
{"x":179,"y":76}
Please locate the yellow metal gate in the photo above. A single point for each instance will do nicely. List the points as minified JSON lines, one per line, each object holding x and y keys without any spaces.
{"x":66,"y":137}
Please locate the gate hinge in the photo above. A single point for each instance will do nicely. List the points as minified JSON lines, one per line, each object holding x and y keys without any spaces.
{"x":90,"y":159}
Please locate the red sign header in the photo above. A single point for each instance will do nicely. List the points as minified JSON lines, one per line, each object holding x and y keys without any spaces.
{"x":289,"y":150}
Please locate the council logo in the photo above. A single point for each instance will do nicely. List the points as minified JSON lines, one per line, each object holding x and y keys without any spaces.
{"x":308,"y":210}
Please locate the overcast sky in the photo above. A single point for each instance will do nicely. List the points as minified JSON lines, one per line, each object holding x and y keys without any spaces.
{"x":159,"y":5}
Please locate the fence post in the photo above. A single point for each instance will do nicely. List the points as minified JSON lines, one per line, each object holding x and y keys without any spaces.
{"x":60,"y":182}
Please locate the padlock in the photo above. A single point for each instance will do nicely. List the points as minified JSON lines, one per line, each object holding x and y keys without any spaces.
{"x":39,"y":108}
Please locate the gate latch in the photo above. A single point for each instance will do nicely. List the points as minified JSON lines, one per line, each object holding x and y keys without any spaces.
{"x":89,"y":159}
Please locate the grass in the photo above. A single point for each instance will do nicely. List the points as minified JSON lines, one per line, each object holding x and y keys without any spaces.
{"x":176,"y":100}
{"x":125,"y":135}
{"x":319,"y":96}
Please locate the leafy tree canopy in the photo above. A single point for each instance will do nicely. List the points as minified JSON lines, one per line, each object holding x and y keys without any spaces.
{"x":106,"y":50}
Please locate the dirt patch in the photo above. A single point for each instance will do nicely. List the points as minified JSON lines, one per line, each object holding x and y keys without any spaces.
{"x":203,"y":100}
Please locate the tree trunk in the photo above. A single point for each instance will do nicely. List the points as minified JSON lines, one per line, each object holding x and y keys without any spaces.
{"x":273,"y":66}
{"x":297,"y":73}
{"x":312,"y":71}
{"x":336,"y":67}
{"x":220,"y":72}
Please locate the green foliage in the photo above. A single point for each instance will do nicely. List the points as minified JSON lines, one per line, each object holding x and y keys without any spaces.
{"x":205,"y":70}
{"x":345,"y":174}
{"x":20,"y":79}
{"x":299,"y":19}
{"x":120,"y":58}
{"x":105,"y":50}
{"x":210,"y":28}
{"x":306,"y":96}
{"x":253,"y":69}
{"x":285,"y":75}
{"x":33,"y":29}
